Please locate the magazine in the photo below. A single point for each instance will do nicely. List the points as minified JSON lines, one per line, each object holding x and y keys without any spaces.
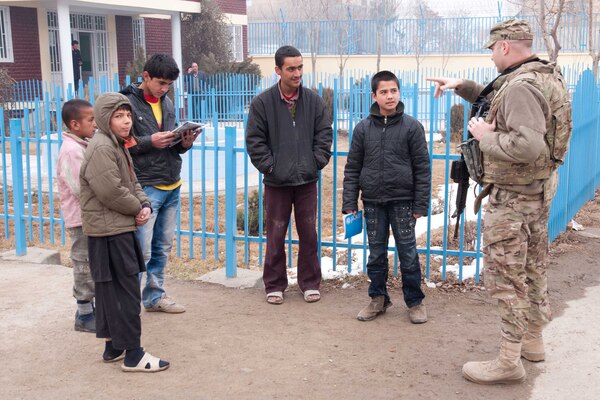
{"x":184,"y":127}
{"x":353,"y":224}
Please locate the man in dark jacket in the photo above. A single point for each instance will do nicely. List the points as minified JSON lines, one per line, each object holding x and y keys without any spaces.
{"x":157,"y":166}
{"x":288,"y":138}
{"x":389,"y":162}
{"x":195,"y":82}
{"x":77,"y":63}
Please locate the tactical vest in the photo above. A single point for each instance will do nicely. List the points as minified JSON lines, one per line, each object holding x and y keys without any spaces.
{"x":545,"y":77}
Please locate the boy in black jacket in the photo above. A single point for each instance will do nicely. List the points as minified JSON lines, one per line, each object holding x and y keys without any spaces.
{"x":389,"y":162}
{"x":157,"y":165}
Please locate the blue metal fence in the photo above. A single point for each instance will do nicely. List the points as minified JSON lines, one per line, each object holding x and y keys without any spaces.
{"x":405,"y":36}
{"x":219,"y":180}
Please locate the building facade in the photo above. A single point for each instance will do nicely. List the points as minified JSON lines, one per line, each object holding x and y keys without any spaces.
{"x":35,"y":36}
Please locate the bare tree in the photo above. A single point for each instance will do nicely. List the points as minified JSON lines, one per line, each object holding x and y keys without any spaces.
{"x":383,"y":13}
{"x":550,"y":33}
{"x":312,"y":11}
{"x":424,"y":33}
{"x":456,"y":38}
{"x":210,"y":25}
{"x":309,"y":15}
{"x":340,"y":17}
{"x":592,"y":44}
{"x":548,"y":15}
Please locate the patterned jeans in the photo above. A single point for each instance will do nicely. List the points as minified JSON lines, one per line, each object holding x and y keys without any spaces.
{"x":379,"y":218}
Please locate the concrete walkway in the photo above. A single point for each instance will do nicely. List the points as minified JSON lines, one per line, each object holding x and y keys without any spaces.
{"x":572,"y":366}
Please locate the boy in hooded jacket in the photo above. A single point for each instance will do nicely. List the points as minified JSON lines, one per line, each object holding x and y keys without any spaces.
{"x":389,"y":163}
{"x":113,"y":205}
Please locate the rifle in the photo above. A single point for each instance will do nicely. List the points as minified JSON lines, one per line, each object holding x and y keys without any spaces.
{"x":460,"y":174}
{"x":469,"y":165}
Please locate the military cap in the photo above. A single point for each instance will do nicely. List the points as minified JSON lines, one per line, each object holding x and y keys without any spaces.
{"x":512,"y":29}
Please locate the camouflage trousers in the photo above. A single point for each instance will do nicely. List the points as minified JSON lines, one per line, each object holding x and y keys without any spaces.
{"x":83,"y":284}
{"x":515,"y":239}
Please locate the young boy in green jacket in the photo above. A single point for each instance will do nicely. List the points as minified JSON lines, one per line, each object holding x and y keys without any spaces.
{"x":113,"y":205}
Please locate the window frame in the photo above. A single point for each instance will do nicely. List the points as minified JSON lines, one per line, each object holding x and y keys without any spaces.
{"x":237,"y":49}
{"x":138,"y":26}
{"x":6,"y":45}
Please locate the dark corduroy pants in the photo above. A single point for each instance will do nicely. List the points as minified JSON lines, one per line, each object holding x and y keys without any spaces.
{"x":278,"y":204}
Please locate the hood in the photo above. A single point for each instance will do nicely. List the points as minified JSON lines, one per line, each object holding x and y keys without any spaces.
{"x":104,"y":107}
{"x":133,"y":88}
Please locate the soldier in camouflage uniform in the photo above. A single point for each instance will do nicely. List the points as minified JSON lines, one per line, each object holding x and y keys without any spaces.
{"x":523,"y":139}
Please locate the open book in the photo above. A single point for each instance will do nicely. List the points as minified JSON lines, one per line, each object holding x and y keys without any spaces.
{"x":353,"y":224}
{"x":181,"y":129}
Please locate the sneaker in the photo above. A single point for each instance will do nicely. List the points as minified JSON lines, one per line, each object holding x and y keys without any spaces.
{"x":85,"y":323}
{"x":166,"y":305}
{"x":418,"y":314}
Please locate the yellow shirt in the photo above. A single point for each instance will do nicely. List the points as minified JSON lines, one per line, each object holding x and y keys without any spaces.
{"x":157,"y":111}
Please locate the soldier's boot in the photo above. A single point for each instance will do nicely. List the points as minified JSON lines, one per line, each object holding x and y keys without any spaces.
{"x":505,"y":369}
{"x":376,"y":306}
{"x":532,"y":348}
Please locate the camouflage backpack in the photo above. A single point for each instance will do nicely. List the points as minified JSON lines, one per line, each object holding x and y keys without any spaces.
{"x":550,"y":82}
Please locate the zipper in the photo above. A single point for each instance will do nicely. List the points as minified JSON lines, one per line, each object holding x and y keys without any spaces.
{"x":382,"y":164}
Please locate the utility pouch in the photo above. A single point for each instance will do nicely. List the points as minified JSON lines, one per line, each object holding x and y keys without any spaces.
{"x":472,"y":156}
{"x":458,"y":171}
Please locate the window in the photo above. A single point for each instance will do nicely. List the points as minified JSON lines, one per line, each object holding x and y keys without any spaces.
{"x":6,"y":49}
{"x":53,"y":41}
{"x":139,"y":36}
{"x":80,"y":24}
{"x":237,"y":42}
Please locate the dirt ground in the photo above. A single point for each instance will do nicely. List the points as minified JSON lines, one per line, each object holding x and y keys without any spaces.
{"x":230,"y":344}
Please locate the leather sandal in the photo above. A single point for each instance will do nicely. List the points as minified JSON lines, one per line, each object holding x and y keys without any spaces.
{"x":275,"y":298}
{"x":311,"y":295}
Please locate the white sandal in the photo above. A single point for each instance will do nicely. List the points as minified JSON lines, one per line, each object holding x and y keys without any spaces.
{"x":312,"y":292}
{"x":148,"y":363}
{"x":275,"y":298}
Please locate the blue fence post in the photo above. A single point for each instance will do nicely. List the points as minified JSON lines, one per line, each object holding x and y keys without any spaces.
{"x":16,"y":155}
{"x":230,"y":203}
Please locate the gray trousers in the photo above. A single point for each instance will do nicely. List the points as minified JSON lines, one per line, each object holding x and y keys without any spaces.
{"x":83,"y":285}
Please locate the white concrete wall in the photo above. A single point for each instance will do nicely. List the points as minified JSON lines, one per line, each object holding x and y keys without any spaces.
{"x":236,"y":19}
{"x":452,"y":63}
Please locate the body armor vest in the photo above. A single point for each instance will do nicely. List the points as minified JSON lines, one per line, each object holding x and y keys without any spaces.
{"x":546,"y":78}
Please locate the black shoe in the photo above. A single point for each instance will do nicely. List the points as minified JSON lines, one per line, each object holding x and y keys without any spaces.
{"x":85,"y":323}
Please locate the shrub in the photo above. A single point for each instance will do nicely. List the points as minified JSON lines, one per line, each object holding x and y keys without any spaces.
{"x":210,"y":65}
{"x":6,"y":83}
{"x":6,"y":95}
{"x":252,"y":215}
{"x":457,"y":121}
{"x":328,"y":99}
{"x":136,"y":68}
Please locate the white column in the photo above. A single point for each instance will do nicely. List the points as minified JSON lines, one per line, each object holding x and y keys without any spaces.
{"x":176,"y":40}
{"x":44,"y":44}
{"x":64,"y":34}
